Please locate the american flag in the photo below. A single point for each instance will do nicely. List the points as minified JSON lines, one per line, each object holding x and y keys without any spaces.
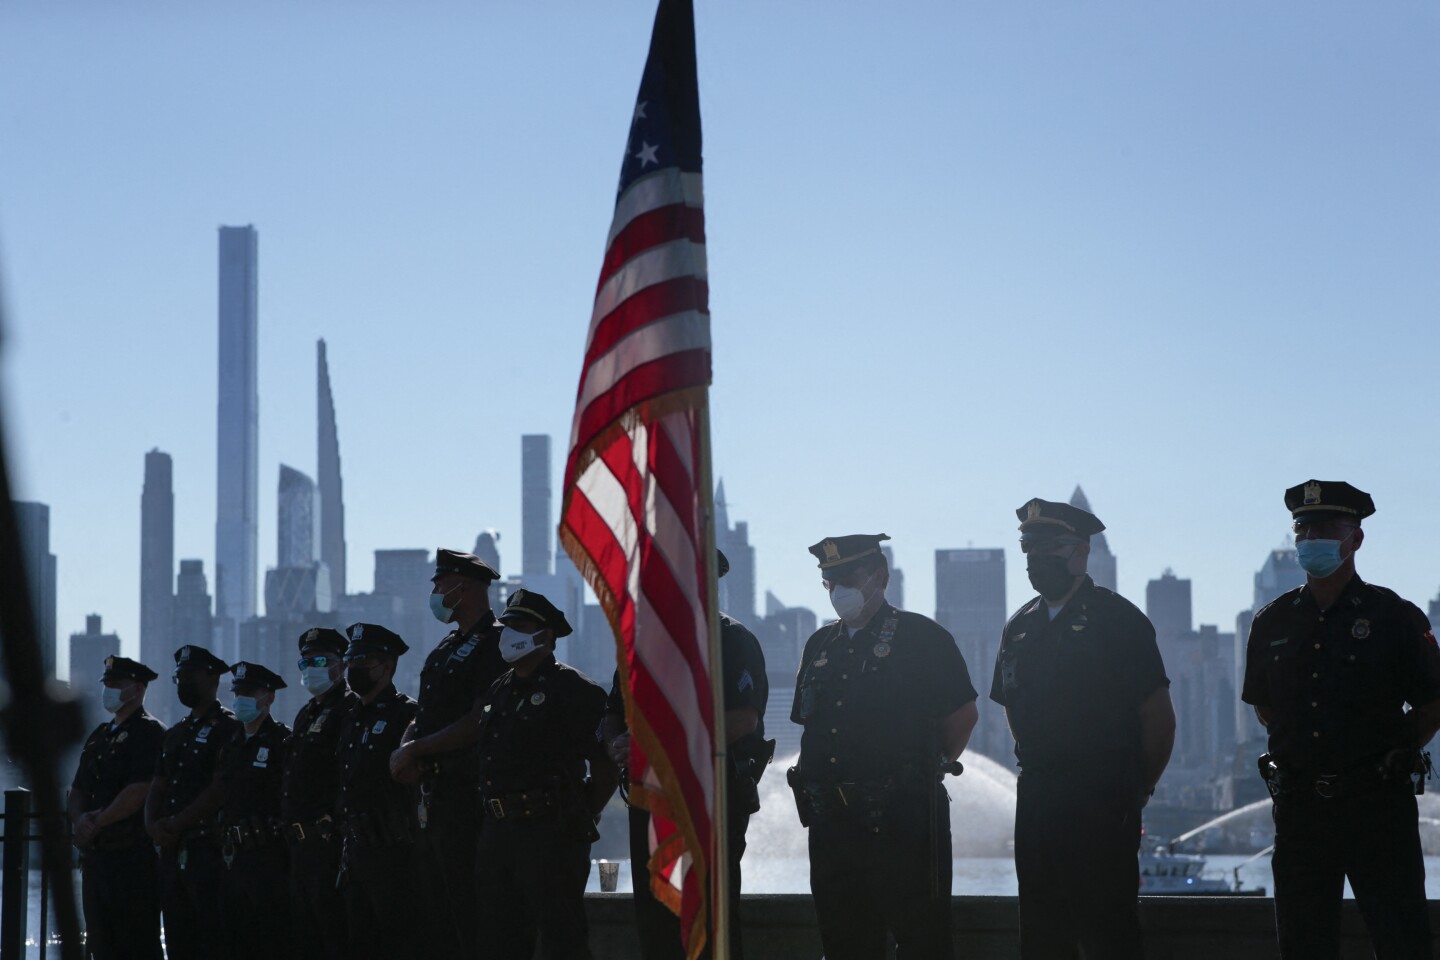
{"x":636,"y":481}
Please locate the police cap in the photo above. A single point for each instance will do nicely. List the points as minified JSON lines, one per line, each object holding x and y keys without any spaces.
{"x":1046,"y":520}
{"x":123,"y":668}
{"x":253,"y":675}
{"x":1327,"y":499}
{"x":371,"y":638}
{"x":323,"y":639}
{"x":191,"y":656}
{"x":464,"y":564}
{"x":841,"y":555}
{"x":533,"y":606}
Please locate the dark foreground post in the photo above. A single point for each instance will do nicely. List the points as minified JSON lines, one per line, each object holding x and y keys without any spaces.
{"x":14,"y":882}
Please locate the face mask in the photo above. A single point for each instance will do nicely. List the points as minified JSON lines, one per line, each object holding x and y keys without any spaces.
{"x":112,"y":700}
{"x":437,"y":606}
{"x":188,"y":691}
{"x":515,"y":645}
{"x":847,"y":601}
{"x":1320,"y":558}
{"x":362,"y":680}
{"x":1049,"y":575}
{"x":247,"y":710}
{"x":316,"y":679}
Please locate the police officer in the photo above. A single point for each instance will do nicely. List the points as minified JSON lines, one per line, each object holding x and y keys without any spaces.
{"x":439,"y":749}
{"x":747,"y":690}
{"x":180,"y":810}
{"x":541,"y":729}
{"x":885,"y":698}
{"x":253,"y":892}
{"x":376,"y":813}
{"x":107,"y":800}
{"x":1330,"y":667}
{"x":307,"y":797}
{"x":1086,"y":696}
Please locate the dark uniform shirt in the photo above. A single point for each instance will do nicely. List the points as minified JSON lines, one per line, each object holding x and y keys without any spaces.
{"x":312,"y":778}
{"x":249,"y":769}
{"x":460,"y":670}
{"x":746,"y":684}
{"x":1073,"y":686}
{"x":870,"y":702}
{"x":540,"y":729}
{"x":115,"y":756}
{"x":370,"y":734}
{"x":1334,"y":683}
{"x":187,"y":760}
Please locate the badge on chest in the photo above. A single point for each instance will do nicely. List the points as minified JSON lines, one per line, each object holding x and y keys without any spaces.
{"x":262,"y":757}
{"x":203,"y":735}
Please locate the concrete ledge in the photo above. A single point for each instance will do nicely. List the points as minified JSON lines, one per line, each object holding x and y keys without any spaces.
{"x":782,"y":927}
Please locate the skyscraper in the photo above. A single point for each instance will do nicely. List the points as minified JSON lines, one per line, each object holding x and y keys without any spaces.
{"x":297,"y":515}
{"x":237,"y":435}
{"x":193,"y":619}
{"x":88,"y":651}
{"x":535,"y":531}
{"x":332,"y":495}
{"x":33,"y":520}
{"x":157,"y":559}
{"x":1167,"y":604}
{"x":970,"y":603}
{"x":737,"y":589}
{"x":1102,"y":561}
{"x":192,"y":623}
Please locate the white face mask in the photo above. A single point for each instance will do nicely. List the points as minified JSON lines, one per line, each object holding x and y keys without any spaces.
{"x":847,"y":601}
{"x":316,"y":680}
{"x":515,"y":645}
{"x":112,"y":699}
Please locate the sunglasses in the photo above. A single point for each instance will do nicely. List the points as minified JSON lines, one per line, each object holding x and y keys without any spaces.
{"x":320,"y":661}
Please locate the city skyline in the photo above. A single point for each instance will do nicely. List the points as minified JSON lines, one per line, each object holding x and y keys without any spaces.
{"x":1108,"y":245}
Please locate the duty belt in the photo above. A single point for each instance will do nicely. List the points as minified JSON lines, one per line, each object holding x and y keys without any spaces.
{"x":524,"y":804}
{"x":299,"y":831}
{"x":1363,"y":779}
{"x":252,"y":833}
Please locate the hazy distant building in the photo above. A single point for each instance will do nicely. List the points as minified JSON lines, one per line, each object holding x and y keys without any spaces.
{"x":895,"y":590}
{"x":33,"y":521}
{"x":535,"y":529}
{"x":298,"y":516}
{"x":331,"y":490}
{"x":404,"y":576}
{"x":1168,"y":605}
{"x":970,"y":603}
{"x":88,"y":651}
{"x":737,"y":589}
{"x":1434,"y":609}
{"x":487,"y":548}
{"x":1102,"y":562}
{"x":237,"y":435}
{"x":157,"y":558}
{"x":193,"y":618}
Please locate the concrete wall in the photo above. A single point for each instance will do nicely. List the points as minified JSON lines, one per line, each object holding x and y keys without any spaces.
{"x":1176,"y":928}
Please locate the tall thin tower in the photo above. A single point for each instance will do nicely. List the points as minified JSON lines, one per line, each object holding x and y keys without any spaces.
{"x":237,"y":434}
{"x":1102,"y":561}
{"x":157,"y":559}
{"x":332,"y":499}
{"x":535,"y":529}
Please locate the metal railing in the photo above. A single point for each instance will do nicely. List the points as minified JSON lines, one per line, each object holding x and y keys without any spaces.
{"x":22,"y":828}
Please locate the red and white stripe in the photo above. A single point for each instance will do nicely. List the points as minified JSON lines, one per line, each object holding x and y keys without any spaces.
{"x":634,"y":517}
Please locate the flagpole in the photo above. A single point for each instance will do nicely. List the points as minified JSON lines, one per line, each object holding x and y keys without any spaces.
{"x":719,"y":819}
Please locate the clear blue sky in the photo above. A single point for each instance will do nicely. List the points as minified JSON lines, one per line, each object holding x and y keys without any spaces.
{"x":961,"y":254}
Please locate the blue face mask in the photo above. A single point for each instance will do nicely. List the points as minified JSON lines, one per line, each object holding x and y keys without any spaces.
{"x":247,"y":710}
{"x":1319,"y":558}
{"x":437,"y":607}
{"x":112,"y":699}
